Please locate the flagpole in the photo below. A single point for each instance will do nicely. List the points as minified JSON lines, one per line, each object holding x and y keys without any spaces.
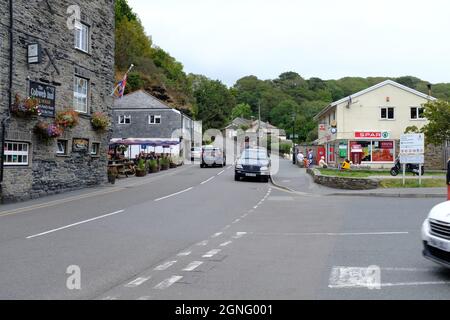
{"x":129,"y":70}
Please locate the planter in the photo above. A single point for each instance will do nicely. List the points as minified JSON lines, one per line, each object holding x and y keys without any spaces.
{"x":141,"y":173}
{"x":164,"y":167}
{"x":173,"y":166}
{"x":112,"y":178}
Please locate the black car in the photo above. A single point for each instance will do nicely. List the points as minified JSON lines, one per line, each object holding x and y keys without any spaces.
{"x":253,"y":163}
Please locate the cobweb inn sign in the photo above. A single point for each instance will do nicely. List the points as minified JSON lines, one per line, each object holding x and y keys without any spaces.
{"x":46,"y":96}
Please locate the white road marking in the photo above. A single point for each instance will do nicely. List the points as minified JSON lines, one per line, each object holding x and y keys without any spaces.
{"x":239,"y":235}
{"x":226,"y":243}
{"x":203,"y":243}
{"x":204,"y":182}
{"x":212,"y":253}
{"x":165,"y":266}
{"x":221,"y":172}
{"x":174,"y":194}
{"x":255,"y":207}
{"x":145,"y":298}
{"x":333,"y":234}
{"x":137,"y":282}
{"x":218,"y":234}
{"x":168,"y":282}
{"x":226,"y":227}
{"x":350,"y":277}
{"x":75,"y":224}
{"x":184,"y":254}
{"x":192,"y":266}
{"x":236,"y":221}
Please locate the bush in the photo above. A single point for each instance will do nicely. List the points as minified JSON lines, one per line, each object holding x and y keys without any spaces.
{"x":285,"y":148}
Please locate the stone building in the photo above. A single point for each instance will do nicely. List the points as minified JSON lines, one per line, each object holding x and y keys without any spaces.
{"x":61,"y":52}
{"x":139,"y":115}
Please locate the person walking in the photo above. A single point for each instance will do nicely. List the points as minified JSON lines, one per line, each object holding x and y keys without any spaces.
{"x":300,"y":158}
{"x":310,"y":158}
{"x":448,"y":179}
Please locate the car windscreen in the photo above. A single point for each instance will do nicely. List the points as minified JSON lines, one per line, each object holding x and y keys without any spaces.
{"x":254,"y":155}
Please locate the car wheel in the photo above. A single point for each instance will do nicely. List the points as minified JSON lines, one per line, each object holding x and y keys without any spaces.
{"x":202,"y":165}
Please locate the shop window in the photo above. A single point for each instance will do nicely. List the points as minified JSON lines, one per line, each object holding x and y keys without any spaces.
{"x":383,"y":151}
{"x":16,"y":154}
{"x":417,"y":113}
{"x":387,"y":113}
{"x":61,"y":147}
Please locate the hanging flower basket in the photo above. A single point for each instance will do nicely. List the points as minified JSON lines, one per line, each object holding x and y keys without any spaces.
{"x":100,"y":121}
{"x":25,"y":108}
{"x":46,"y":131}
{"x":67,"y":119}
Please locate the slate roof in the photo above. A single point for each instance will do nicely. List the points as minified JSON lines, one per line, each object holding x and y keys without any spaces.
{"x":139,"y":100}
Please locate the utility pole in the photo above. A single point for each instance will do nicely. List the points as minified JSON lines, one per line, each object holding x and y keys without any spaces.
{"x":294,"y":156}
{"x":259,"y":121}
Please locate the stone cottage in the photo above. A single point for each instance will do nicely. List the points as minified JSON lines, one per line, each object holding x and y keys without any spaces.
{"x":60,"y":53}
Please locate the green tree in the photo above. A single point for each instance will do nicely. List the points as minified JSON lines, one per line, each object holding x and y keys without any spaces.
{"x":242,"y":110}
{"x":437,"y":131}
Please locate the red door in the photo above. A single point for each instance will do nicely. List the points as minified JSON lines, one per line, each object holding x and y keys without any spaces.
{"x":320,"y":153}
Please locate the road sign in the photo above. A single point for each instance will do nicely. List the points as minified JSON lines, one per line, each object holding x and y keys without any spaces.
{"x":408,"y":158}
{"x":412,"y":144}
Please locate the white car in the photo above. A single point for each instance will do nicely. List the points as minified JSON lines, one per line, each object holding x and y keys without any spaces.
{"x":436,"y":235}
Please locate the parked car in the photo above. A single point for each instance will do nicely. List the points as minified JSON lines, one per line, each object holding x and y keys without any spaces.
{"x":212,"y":157}
{"x":196,"y":153}
{"x":253,"y":163}
{"x":436,"y":235}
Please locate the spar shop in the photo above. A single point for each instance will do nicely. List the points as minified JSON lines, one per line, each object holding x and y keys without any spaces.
{"x":366,"y":127}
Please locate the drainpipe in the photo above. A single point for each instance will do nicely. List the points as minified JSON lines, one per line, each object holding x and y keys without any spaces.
{"x":5,"y":120}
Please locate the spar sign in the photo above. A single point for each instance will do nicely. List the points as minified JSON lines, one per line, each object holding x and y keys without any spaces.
{"x":372,"y":135}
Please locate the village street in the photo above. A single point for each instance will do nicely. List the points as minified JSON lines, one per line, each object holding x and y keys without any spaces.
{"x":194,"y":233}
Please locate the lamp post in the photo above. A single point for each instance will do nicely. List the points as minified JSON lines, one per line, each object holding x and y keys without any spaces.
{"x":294,"y":156}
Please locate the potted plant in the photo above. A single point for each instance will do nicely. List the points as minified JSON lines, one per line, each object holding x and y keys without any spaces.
{"x":112,"y":175}
{"x":25,"y":108}
{"x":153,"y":166}
{"x":164,"y":163}
{"x":46,"y":131}
{"x":100,"y":121}
{"x":141,"y":170}
{"x":67,"y":119}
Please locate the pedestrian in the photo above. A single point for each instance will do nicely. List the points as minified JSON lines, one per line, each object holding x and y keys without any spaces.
{"x":322,"y":163}
{"x":310,"y":158}
{"x":300,"y":158}
{"x":346,"y":165}
{"x":448,"y":179}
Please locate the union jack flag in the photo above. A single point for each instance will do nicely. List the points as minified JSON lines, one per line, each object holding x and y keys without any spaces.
{"x":121,"y":87}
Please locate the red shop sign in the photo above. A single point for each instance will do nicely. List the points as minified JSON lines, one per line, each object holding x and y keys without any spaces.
{"x":387,"y":145}
{"x":369,"y":134}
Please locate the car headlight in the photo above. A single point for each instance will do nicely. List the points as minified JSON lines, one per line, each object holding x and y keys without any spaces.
{"x":239,"y":167}
{"x":264,"y":168}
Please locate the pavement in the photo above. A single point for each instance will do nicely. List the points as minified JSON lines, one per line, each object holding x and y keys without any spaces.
{"x":196,"y":234}
{"x":295,"y":179}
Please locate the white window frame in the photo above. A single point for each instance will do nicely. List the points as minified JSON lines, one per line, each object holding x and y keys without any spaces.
{"x":387,"y":114}
{"x":80,"y":94}
{"x":82,"y":32}
{"x":123,"y":119}
{"x":16,"y":153}
{"x":155,"y":117}
{"x":418,"y":114}
{"x":62,"y":153}
{"x":97,"y":146}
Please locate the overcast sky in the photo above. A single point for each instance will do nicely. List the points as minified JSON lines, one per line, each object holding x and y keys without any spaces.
{"x":330,"y":39}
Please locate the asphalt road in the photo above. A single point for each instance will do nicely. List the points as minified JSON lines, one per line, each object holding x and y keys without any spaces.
{"x":195,"y":233}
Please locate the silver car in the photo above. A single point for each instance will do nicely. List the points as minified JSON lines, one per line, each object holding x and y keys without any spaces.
{"x":212,"y":157}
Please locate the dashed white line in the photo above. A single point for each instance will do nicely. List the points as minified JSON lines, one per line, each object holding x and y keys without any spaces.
{"x":236,"y":221}
{"x":239,"y":235}
{"x":221,"y":172}
{"x":165,"y":266}
{"x":212,"y":253}
{"x":174,"y":194}
{"x":137,"y":282}
{"x":226,"y":243}
{"x":206,"y":181}
{"x":218,"y":234}
{"x":75,"y":224}
{"x":203,"y":243}
{"x":168,"y":282}
{"x":226,"y":227}
{"x":193,"y":265}
{"x":184,"y":254}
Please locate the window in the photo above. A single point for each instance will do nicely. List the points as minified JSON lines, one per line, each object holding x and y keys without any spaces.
{"x":387,"y":113}
{"x":61,"y":147}
{"x":95,"y":149}
{"x":16,"y":154}
{"x":82,"y":37}
{"x":374,"y":151}
{"x":154,"y":119}
{"x":124,"y":119}
{"x":80,"y":95}
{"x":417,"y":113}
